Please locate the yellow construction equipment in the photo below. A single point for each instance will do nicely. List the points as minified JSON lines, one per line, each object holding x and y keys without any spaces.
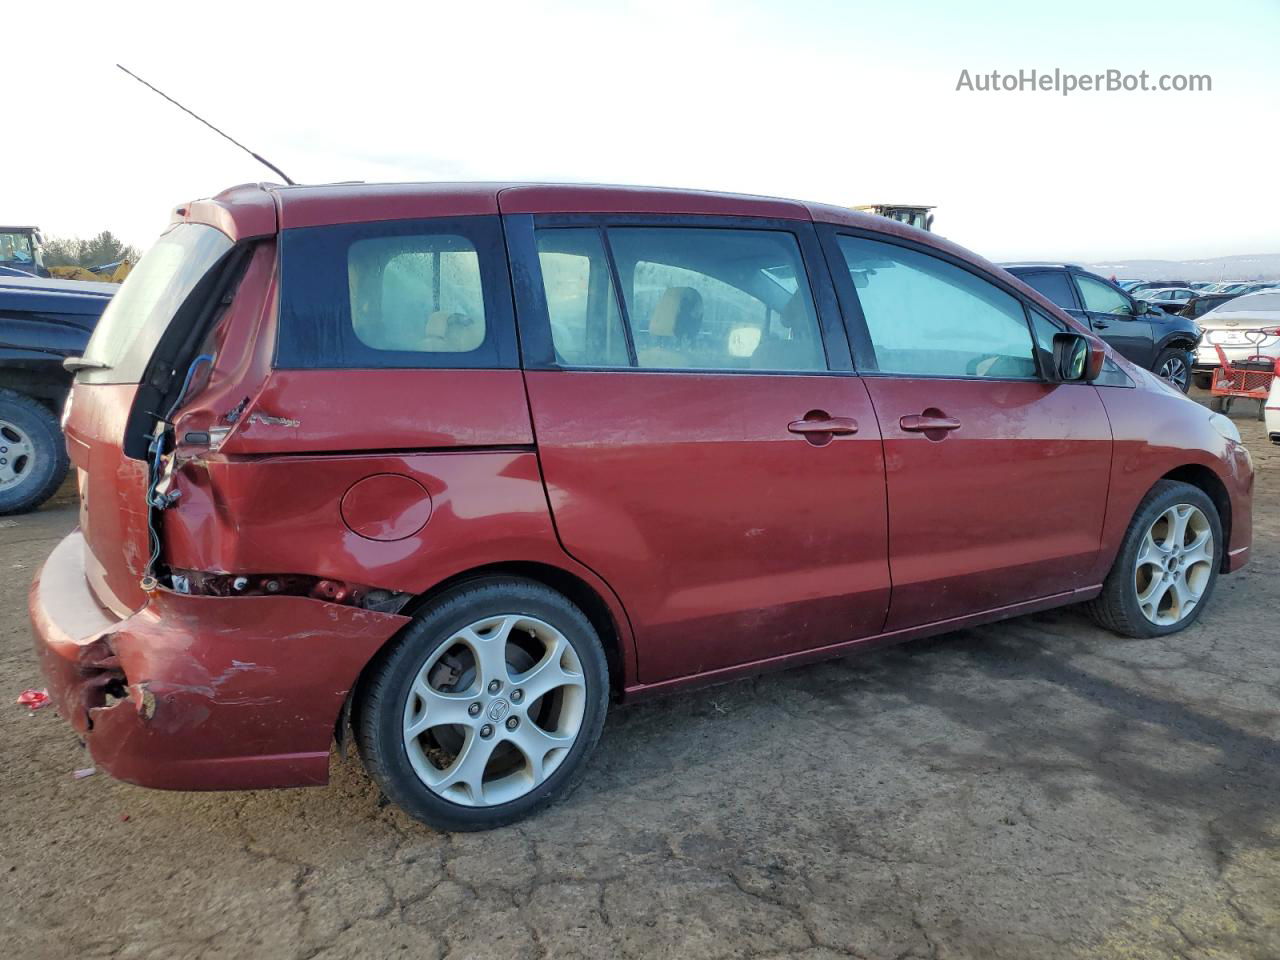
{"x":21,"y":254}
{"x":914,"y":215}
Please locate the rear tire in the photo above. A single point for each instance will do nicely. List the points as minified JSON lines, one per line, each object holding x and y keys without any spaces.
{"x":1161,"y":581}
{"x":33,"y":453}
{"x":486,"y":707}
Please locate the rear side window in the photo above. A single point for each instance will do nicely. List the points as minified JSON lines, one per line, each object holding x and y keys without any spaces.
{"x":586,"y":323}
{"x":927,"y":317}
{"x":399,"y":293}
{"x":711,"y":299}
{"x":1055,"y":287}
{"x":695,"y":298}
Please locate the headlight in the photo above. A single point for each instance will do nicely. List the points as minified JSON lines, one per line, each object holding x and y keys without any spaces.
{"x":1224,"y":426}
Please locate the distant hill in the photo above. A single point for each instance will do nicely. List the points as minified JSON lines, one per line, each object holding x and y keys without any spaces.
{"x":1249,"y":266}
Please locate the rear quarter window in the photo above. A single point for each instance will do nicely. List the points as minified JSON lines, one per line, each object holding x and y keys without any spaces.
{"x":399,"y":293}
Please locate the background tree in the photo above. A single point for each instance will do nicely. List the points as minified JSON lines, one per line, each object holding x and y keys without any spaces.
{"x":105,"y":248}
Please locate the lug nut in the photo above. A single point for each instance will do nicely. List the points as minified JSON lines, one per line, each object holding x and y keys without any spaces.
{"x":474,"y":709}
{"x":512,"y":723}
{"x":486,"y":731}
{"x":495,"y":686}
{"x":517,"y":696}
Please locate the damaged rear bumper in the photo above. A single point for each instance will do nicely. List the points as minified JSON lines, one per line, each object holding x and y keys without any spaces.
{"x":200,"y":693}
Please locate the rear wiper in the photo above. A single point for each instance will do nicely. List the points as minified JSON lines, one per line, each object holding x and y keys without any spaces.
{"x":72,"y":364}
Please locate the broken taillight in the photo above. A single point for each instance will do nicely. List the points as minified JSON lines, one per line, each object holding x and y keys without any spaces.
{"x":200,"y":583}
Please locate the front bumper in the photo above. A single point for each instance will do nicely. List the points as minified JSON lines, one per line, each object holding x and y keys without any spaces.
{"x":200,"y":693}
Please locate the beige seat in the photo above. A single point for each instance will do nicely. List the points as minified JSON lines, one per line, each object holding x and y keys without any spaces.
{"x":452,"y":333}
{"x":800,"y":351}
{"x":673,"y":327}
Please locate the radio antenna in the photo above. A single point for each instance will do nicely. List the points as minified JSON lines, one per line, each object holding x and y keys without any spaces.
{"x":261,"y":159}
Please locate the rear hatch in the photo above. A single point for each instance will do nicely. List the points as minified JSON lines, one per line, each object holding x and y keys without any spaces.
{"x":122,"y":386}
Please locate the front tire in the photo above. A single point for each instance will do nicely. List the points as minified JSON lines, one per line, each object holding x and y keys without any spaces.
{"x":1167,"y":567}
{"x":486,"y":707}
{"x":1174,"y":364}
{"x":33,"y":453}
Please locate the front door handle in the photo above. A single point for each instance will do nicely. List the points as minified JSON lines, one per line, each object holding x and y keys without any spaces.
{"x":923,"y":423}
{"x":835,"y":426}
{"x":1100,"y":324}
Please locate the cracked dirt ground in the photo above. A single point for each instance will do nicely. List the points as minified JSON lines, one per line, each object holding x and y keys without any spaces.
{"x":1033,"y":789}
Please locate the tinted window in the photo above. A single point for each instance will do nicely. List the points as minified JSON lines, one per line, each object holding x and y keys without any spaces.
{"x":1055,"y":286}
{"x":1099,"y":297}
{"x":717,"y":299}
{"x":928,"y":317}
{"x":417,"y":293}
{"x":586,"y":325}
{"x":395,"y":293}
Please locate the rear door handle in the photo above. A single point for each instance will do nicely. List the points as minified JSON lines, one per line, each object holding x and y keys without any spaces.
{"x":836,"y":426}
{"x":920,"y":423}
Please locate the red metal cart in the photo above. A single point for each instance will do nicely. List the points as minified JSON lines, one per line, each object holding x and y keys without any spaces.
{"x":1246,"y":378}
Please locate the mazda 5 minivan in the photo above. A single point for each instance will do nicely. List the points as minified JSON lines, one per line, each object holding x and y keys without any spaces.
{"x":448,"y":469}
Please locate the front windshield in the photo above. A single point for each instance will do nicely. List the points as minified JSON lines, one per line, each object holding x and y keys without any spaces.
{"x":137,"y":316}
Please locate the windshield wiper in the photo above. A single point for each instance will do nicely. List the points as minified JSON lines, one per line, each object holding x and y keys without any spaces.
{"x":72,"y":364}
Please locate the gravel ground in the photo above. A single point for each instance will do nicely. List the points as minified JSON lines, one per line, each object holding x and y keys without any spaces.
{"x":1037,"y":788}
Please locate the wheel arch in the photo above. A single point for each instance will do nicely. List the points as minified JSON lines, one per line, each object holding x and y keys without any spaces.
{"x":613,"y":635}
{"x":1203,"y":478}
{"x":582,"y":594}
{"x":1182,"y":339}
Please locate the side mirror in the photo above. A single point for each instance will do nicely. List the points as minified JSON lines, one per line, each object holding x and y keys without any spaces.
{"x":1139,"y":307}
{"x":1077,"y":358}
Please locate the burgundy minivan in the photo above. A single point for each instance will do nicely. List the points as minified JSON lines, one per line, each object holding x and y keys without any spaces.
{"x":453,"y":466}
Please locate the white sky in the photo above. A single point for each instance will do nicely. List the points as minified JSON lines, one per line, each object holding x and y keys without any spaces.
{"x":844,"y":102}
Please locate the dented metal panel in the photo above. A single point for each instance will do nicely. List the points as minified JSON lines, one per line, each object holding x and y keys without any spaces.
{"x":209,"y":692}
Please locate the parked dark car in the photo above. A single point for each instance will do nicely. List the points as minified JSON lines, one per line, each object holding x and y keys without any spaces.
{"x":1202,"y":304}
{"x":1142,"y":332}
{"x":462,"y":464}
{"x":1141,"y":285}
{"x":1168,"y":299}
{"x":42,"y":322}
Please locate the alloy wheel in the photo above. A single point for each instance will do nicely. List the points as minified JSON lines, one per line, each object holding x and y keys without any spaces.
{"x":495,"y":710}
{"x":1174,"y":564}
{"x":1175,"y":370}
{"x":17,"y":455}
